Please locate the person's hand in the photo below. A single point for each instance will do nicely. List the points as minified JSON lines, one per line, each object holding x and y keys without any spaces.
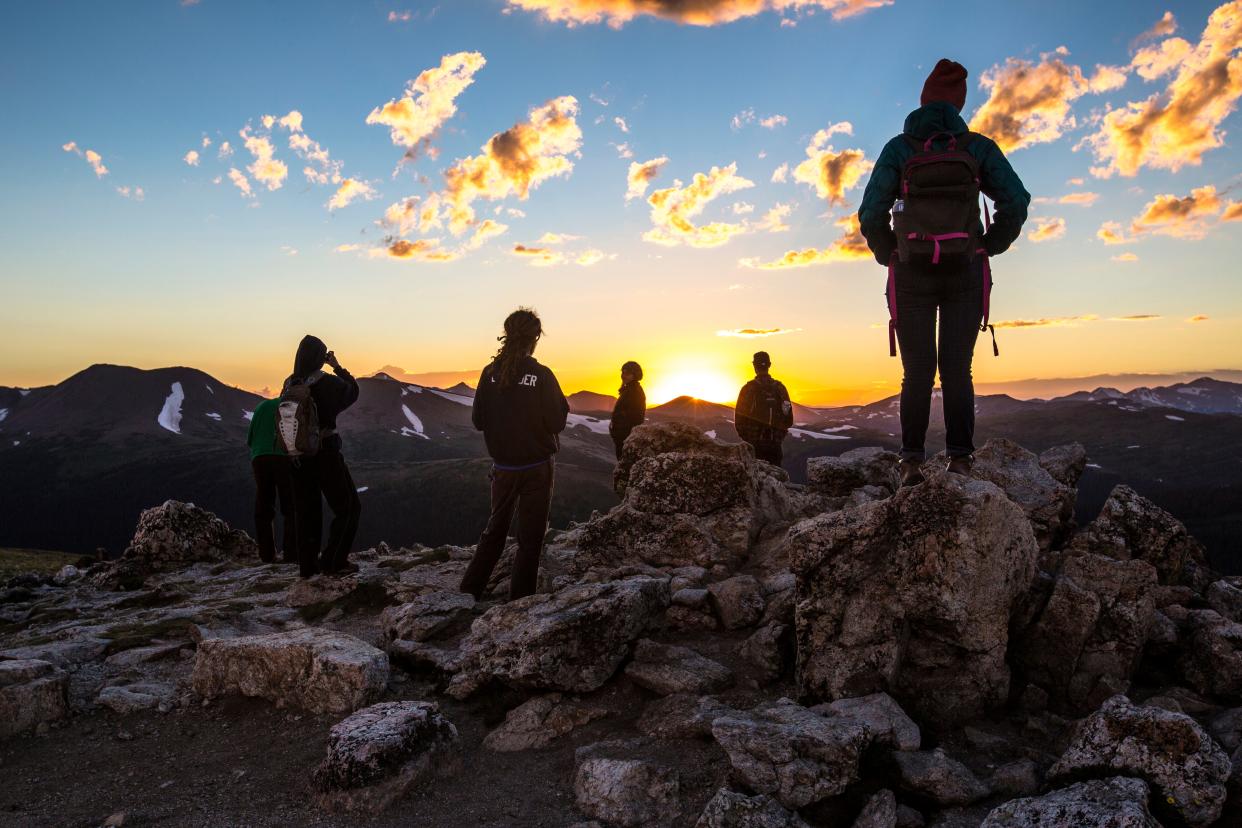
{"x":331,"y":360}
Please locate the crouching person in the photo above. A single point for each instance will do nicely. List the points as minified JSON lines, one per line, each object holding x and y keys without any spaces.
{"x":520,"y":409}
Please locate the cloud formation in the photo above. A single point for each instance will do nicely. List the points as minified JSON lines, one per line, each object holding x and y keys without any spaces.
{"x":429,"y":101}
{"x":136,"y":193}
{"x":93,"y":158}
{"x":1047,"y":229}
{"x":830,"y":172}
{"x":616,"y":13}
{"x":757,"y":333}
{"x":191,"y":158}
{"x":1198,"y":317}
{"x":426,"y":250}
{"x":241,"y":182}
{"x":350,"y":190}
{"x":849,"y":247}
{"x":1182,"y":217}
{"x":781,"y":174}
{"x":1080,"y":199}
{"x":266,"y":169}
{"x":413,"y":214}
{"x":1125,"y":258}
{"x":673,"y":208}
{"x":640,"y":176}
{"x":1031,"y":103}
{"x":484,"y":231}
{"x":515,"y":161}
{"x":1173,"y":128}
{"x":539,"y":256}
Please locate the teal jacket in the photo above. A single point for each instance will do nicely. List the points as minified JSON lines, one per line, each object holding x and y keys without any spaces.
{"x":998,"y":182}
{"x":262,"y":434}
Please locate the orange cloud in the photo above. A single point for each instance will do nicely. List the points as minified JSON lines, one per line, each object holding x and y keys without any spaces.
{"x":1125,"y":258}
{"x":266,"y":167}
{"x":412,"y":214}
{"x":1049,"y":322}
{"x":1030,"y":103}
{"x":539,"y":256}
{"x":1198,"y":317}
{"x":428,"y":102}
{"x":325,"y":170}
{"x":351,"y":189}
{"x":1081,"y":199}
{"x":851,"y":246}
{"x":1111,"y":232}
{"x":1163,"y":27}
{"x":484,"y":231}
{"x":831,"y":173}
{"x":672,"y":209}
{"x":773,"y":220}
{"x":1175,"y":127}
{"x":757,"y":333}
{"x":427,"y":250}
{"x":589,"y":257}
{"x":640,"y":176}
{"x":1047,"y":229}
{"x":1233,"y":212}
{"x":616,"y":13}
{"x":515,"y":161}
{"x":1181,"y":217}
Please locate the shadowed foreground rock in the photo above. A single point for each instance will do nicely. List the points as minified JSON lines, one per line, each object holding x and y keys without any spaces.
{"x":1169,"y":750}
{"x":572,"y":640}
{"x":381,"y":752}
{"x":540,"y":721}
{"x":626,"y":791}
{"x":730,"y":809}
{"x":1119,"y":802}
{"x":315,"y":669}
{"x":31,"y":692}
{"x":913,"y":596}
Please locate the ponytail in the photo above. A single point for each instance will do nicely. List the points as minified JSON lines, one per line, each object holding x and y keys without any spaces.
{"x":522,"y":332}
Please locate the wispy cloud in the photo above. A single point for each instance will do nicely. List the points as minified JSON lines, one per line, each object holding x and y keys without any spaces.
{"x":350,"y":190}
{"x":191,"y":158}
{"x":640,"y":176}
{"x":266,"y":169}
{"x":539,"y":256}
{"x":1075,"y":321}
{"x":1198,"y":317}
{"x":1163,"y":27}
{"x":757,"y":333}
{"x":1125,"y":258}
{"x":429,"y":101}
{"x":830,"y":172}
{"x":781,"y":174}
{"x":674,"y":208}
{"x":241,"y":182}
{"x":773,"y":121}
{"x":621,"y":124}
{"x":849,"y":247}
{"x":616,"y":13}
{"x":1173,"y":128}
{"x":1047,"y":229}
{"x":426,"y":250}
{"x":413,"y":214}
{"x":135,"y":193}
{"x":93,"y":158}
{"x":403,"y":16}
{"x":485,"y":231}
{"x":1079,"y":199}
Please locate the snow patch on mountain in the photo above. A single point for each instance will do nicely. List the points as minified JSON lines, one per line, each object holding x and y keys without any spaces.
{"x":846,"y":427}
{"x":4,"y":412}
{"x":460,"y":399}
{"x":799,"y":433}
{"x":213,"y":415}
{"x":711,"y":433}
{"x":416,"y":425}
{"x":247,"y":415}
{"x":170,"y":414}
{"x":595,"y":425}
{"x":1175,"y":418}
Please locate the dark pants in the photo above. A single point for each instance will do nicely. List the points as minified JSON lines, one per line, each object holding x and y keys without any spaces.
{"x":273,"y":483}
{"x":618,"y":440}
{"x":325,"y":475}
{"x":770,"y":450}
{"x":529,"y":493}
{"x":958,"y":296}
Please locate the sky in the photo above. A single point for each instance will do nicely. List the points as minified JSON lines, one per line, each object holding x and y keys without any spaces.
{"x":200,"y":183}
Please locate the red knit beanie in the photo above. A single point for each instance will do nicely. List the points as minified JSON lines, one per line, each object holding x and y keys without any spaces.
{"x":947,"y":82}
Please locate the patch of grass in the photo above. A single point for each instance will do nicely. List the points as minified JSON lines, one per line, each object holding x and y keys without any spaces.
{"x":16,"y":561}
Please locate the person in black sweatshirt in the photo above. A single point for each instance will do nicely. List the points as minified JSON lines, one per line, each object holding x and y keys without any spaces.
{"x":325,"y":475}
{"x":520,"y":409}
{"x":631,"y":407}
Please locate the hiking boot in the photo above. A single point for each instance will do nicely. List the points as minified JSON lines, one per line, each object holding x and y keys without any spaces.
{"x":961,"y":465}
{"x":911,"y":472}
{"x":347,"y":568}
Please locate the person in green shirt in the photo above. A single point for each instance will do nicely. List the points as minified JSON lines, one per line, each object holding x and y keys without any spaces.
{"x":272,"y":483}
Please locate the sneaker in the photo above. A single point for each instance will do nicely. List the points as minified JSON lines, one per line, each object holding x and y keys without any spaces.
{"x":911,"y":472}
{"x":961,"y":465}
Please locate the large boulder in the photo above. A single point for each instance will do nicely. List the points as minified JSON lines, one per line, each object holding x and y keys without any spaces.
{"x":668,"y":669}
{"x":380,"y":752}
{"x":1088,"y":640}
{"x":1211,"y":658}
{"x":787,"y":751}
{"x":939,"y":777}
{"x":1169,"y":750}
{"x":172,"y":536}
{"x":913,"y":596}
{"x":1131,"y":526}
{"x":572,"y":640}
{"x":737,"y":601}
{"x":730,"y":809}
{"x":841,"y":475}
{"x":1065,"y":463}
{"x":540,"y":721}
{"x":884,"y":719}
{"x":626,"y":791}
{"x":32,"y":692}
{"x":315,"y":669}
{"x":1116,"y":802}
{"x":654,"y":439}
{"x":426,"y":616}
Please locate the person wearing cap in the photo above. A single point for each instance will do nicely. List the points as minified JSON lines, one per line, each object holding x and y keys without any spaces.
{"x":955,"y":293}
{"x":631,"y":407}
{"x":764,"y":413}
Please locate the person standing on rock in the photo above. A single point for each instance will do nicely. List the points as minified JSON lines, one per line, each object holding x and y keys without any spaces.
{"x":273,"y":482}
{"x":324,"y":475}
{"x":928,"y":180}
{"x":631,"y":407}
{"x":764,"y":413}
{"x":520,"y":409}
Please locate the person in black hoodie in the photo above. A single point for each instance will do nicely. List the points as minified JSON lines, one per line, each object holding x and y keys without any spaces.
{"x":325,"y":474}
{"x":631,"y":407}
{"x":764,"y":414}
{"x":520,"y":409}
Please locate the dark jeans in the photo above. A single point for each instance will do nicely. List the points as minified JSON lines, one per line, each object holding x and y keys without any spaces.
{"x":325,"y":476}
{"x":618,"y":440}
{"x":770,"y":450}
{"x":529,"y":493}
{"x":958,"y":296}
{"x":273,"y":483}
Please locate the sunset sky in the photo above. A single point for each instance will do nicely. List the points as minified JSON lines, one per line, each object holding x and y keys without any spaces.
{"x":200,"y":183}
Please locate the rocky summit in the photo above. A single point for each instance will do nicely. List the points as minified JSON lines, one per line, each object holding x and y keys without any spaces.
{"x":723,"y":648}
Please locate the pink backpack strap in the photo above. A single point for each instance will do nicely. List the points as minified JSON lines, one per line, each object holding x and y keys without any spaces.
{"x":891,"y":291}
{"x":985,"y":325}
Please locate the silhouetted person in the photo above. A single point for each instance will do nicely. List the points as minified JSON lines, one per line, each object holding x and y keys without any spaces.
{"x":764,"y":414}
{"x":324,"y":473}
{"x":273,"y":482}
{"x":936,"y":249}
{"x":631,"y":407}
{"x":520,"y":409}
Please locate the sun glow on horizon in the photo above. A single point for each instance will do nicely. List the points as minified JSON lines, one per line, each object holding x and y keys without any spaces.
{"x":694,"y":377}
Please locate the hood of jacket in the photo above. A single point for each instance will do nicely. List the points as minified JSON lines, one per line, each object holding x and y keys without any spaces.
{"x":937,"y":116}
{"x":310,"y":357}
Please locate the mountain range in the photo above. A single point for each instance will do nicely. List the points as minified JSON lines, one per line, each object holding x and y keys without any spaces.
{"x":79,"y":460}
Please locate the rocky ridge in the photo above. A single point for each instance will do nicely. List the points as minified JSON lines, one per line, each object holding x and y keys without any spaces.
{"x":724,"y":648}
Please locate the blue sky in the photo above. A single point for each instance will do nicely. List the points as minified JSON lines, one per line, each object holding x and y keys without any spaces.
{"x":196,"y":274}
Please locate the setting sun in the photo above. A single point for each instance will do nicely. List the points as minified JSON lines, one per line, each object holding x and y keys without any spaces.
{"x":696,"y":377}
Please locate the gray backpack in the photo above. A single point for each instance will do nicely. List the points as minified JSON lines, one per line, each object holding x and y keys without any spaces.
{"x":297,"y":417}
